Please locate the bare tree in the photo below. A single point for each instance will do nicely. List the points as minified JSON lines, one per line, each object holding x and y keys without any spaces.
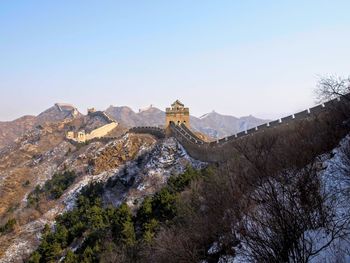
{"x":332,"y":87}
{"x":290,"y":221}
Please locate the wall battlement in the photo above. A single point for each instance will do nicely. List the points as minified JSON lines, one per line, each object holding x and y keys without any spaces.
{"x":155,"y":131}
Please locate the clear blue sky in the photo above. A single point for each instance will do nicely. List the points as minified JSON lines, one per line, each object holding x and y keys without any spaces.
{"x":237,"y":57}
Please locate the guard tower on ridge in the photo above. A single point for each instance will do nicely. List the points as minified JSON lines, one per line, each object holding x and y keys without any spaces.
{"x":177,"y":114}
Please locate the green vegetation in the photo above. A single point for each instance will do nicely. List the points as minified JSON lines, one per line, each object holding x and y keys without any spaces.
{"x":8,"y":227}
{"x":102,"y":231}
{"x":53,"y":188}
{"x":59,"y":182}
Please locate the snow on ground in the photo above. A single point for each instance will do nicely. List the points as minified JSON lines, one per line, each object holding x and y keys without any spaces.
{"x":15,"y":252}
{"x":335,"y":179}
{"x":25,"y":242}
{"x":159,"y":163}
{"x":336,"y":182}
{"x":138,"y":180}
{"x":69,"y":197}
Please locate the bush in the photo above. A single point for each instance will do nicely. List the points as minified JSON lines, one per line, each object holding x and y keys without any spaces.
{"x":55,"y":187}
{"x":9,"y":226}
{"x":52,"y":189}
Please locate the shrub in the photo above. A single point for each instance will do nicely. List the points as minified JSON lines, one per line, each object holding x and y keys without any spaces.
{"x":9,"y":226}
{"x":52,"y":189}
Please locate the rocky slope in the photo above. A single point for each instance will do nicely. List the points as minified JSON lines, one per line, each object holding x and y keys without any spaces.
{"x":10,"y":130}
{"x":138,"y":165}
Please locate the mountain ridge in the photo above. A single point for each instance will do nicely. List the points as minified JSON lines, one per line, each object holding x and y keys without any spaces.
{"x":212,"y":124}
{"x":10,"y":130}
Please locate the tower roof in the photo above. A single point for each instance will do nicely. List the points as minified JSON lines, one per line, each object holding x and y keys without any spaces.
{"x":177,"y":102}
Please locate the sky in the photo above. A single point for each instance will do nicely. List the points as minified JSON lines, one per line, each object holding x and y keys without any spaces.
{"x":262,"y":58}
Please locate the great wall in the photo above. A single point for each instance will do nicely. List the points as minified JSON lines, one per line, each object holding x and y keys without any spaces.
{"x":177,"y":125}
{"x":82,"y":137}
{"x":215,"y":151}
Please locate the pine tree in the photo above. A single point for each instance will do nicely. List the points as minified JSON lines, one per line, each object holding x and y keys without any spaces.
{"x":71,"y":257}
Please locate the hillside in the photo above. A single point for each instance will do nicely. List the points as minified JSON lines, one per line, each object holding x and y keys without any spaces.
{"x":139,"y":199}
{"x":138,"y":164}
{"x":10,"y":130}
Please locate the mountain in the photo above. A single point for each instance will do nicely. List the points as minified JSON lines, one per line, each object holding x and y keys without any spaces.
{"x":35,"y":185}
{"x":213,"y":124}
{"x":58,"y":112}
{"x":125,"y":115}
{"x":11,"y":130}
{"x":97,"y":201}
{"x":152,"y":117}
{"x":139,"y":198}
{"x":217,"y":125}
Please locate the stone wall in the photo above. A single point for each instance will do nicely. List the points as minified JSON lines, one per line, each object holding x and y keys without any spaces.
{"x":155,"y":131}
{"x":101,"y":131}
{"x":82,"y":137}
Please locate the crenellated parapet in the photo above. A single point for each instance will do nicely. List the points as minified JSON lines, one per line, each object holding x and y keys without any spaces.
{"x":155,"y":131}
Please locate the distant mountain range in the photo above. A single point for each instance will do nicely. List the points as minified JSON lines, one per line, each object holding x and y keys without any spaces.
{"x":212,"y":124}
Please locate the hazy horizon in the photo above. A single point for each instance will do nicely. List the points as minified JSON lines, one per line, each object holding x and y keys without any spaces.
{"x":136,"y":110}
{"x":248,"y":58}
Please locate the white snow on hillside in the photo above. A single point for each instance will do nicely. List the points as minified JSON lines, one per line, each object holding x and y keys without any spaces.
{"x":143,"y":177}
{"x":336,"y":182}
{"x":330,"y":246}
{"x":159,"y":162}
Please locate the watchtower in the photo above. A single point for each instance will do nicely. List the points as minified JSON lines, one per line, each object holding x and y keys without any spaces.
{"x":177,"y":114}
{"x":91,"y":110}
